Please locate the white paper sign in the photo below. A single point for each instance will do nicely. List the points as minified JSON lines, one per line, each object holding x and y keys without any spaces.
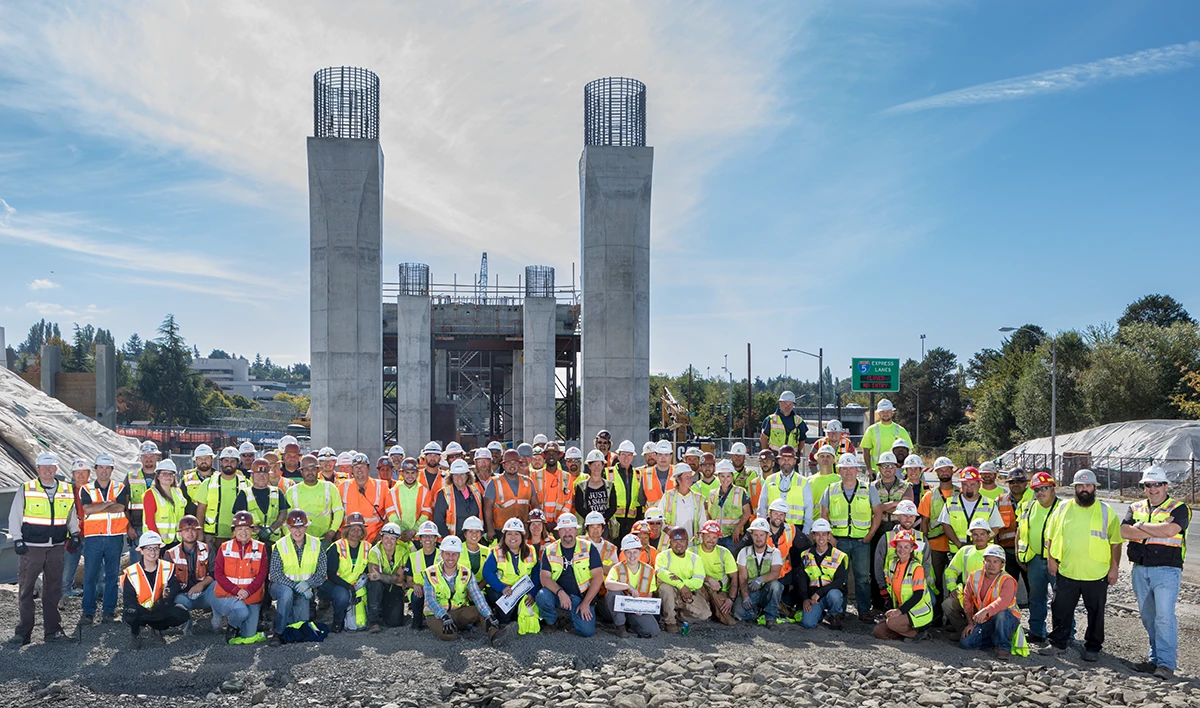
{"x":522,"y":588}
{"x":644,"y":605}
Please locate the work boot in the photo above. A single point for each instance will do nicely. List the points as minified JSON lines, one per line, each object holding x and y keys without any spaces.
{"x":920,"y":636}
{"x":232,"y":633}
{"x":835,"y":622}
{"x":622,"y":633}
{"x":135,"y":643}
{"x":671,"y":629}
{"x":1003,"y":654}
{"x":1145,"y":667}
{"x":19,"y":640}
{"x":338,"y":627}
{"x":157,"y":637}
{"x":1052,"y":651}
{"x":494,"y":631}
{"x":867,"y":617}
{"x":374,"y":628}
{"x":1089,"y":655}
{"x":274,"y":641}
{"x":57,"y":637}
{"x":111,"y":618}
{"x":1164,"y":673}
{"x":87,"y":620}
{"x":1037,"y":639}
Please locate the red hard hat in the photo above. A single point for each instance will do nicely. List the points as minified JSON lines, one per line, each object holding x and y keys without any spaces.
{"x":297,"y":517}
{"x":242,"y":519}
{"x":355,"y":519}
{"x":188,"y":522}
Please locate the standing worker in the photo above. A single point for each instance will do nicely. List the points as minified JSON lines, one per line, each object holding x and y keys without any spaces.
{"x":729,"y":506}
{"x":218,"y":495}
{"x":627,"y":488}
{"x":784,"y":426}
{"x":657,"y":479}
{"x":264,"y":501}
{"x":683,"y":506}
{"x":835,"y":437}
{"x":854,"y":513}
{"x":879,"y":437}
{"x":195,"y":478}
{"x":104,"y":526}
{"x":138,"y":482}
{"x":320,"y":502}
{"x":1031,"y":551}
{"x":368,"y":496}
{"x":787,"y":484}
{"x":509,"y":496}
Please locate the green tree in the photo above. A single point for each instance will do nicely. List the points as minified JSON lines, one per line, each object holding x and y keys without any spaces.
{"x":82,"y":355}
{"x":1157,"y":310}
{"x":1031,"y":407}
{"x":166,"y":382}
{"x":133,"y":347}
{"x":937,"y":379}
{"x":219,"y":354}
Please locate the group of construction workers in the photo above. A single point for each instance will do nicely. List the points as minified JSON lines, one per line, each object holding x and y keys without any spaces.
{"x":542,"y":537}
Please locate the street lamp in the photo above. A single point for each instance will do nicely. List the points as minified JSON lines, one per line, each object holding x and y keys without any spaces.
{"x":1053,"y":388}
{"x":917,"y":442}
{"x":726,"y":370}
{"x":820,"y":357}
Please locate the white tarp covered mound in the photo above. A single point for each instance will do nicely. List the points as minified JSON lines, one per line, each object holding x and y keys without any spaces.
{"x":32,"y":422}
{"x":1170,"y":443}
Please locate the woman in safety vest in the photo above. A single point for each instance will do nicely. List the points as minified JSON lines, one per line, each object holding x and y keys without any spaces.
{"x":164,"y":504}
{"x":911,"y":600}
{"x":512,"y":560}
{"x":632,"y":578}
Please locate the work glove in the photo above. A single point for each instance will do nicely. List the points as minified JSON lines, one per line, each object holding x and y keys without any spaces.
{"x":756,"y":585}
{"x":264,"y":534}
{"x":491,"y":623}
{"x":361,"y":582}
{"x":447,"y":624}
{"x":20,"y":548}
{"x":746,"y":604}
{"x":303,"y":589}
{"x":74,"y":542}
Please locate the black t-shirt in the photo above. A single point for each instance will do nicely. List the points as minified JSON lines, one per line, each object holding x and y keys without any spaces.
{"x":1153,"y":555}
{"x":566,"y":580}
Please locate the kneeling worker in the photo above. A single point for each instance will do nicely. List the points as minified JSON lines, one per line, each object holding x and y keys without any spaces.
{"x":990,"y":603}
{"x":385,"y":580}
{"x":911,"y":600}
{"x":453,"y":600}
{"x":633,"y":578}
{"x":240,"y":577}
{"x":680,"y":577}
{"x":759,"y":568}
{"x":826,"y":569}
{"x":149,"y":591}
{"x":297,"y":569}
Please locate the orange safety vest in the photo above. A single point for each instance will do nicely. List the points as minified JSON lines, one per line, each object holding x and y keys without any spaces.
{"x":240,"y":565}
{"x":975,"y":584}
{"x":375,"y":504}
{"x":556,"y":500}
{"x":650,"y":486}
{"x":1007,"y":536}
{"x":509,"y":506}
{"x":784,"y":546}
{"x":179,"y":562}
{"x":644,"y":580}
{"x":105,"y":523}
{"x":148,"y":596}
{"x":450,"y":494}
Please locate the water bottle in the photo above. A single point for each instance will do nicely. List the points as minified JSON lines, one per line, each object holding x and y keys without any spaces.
{"x":684,"y":632}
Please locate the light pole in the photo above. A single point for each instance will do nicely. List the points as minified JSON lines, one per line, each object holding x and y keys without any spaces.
{"x":917,"y":442}
{"x":1053,"y":390}
{"x":726,"y":370}
{"x":785,"y":365}
{"x":820,"y":357}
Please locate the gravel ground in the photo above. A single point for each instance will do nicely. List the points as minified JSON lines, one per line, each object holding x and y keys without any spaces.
{"x":714,"y":666}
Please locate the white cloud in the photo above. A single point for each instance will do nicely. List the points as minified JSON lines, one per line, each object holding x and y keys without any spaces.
{"x":51,"y":309}
{"x":6,"y":212}
{"x":43,"y":284}
{"x":1150,"y":61}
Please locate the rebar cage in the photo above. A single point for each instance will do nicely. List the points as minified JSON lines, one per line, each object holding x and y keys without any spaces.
{"x":614,"y":112}
{"x":346,"y":103}
{"x":414,"y":279}
{"x":539,"y":281}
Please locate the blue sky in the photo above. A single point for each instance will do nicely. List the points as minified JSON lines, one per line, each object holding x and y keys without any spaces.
{"x":846,"y":175}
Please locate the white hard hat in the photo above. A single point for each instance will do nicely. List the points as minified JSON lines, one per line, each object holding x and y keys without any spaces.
{"x":538,"y":439}
{"x":472,"y":523}
{"x":834,"y":426}
{"x":595,"y":456}
{"x":150,"y":538}
{"x":664,"y":447}
{"x":482,"y":453}
{"x":229,"y":453}
{"x":80,"y":465}
{"x":359,"y":458}
{"x":787,"y":397}
{"x":246,"y":448}
{"x":514,"y":524}
{"x":149,"y":447}
{"x":943,"y":462}
{"x":431,"y":448}
{"x":1084,"y":477}
{"x":395,"y":450}
{"x":725,"y":466}
{"x":167,"y":465}
{"x":760,"y":524}
{"x":627,"y":446}
{"x":827,"y":450}
{"x":648,"y":446}
{"x":451,"y":544}
{"x":979,"y":522}
{"x":994,"y":551}
{"x":459,"y":466}
{"x":778,"y":505}
{"x":906,"y":507}
{"x":453,"y":448}
{"x":327,"y":453}
{"x":821,"y":525}
{"x":737,"y":449}
{"x":567,"y":521}
{"x":392,"y":529}
{"x":914,"y":461}
{"x":887,"y":458}
{"x":496,"y":445}
{"x":202,"y":450}
{"x":692,"y":452}
{"x":988,"y":466}
{"x":681,"y":468}
{"x":428,"y":529}
{"x":104,"y":460}
{"x":849,"y":459}
{"x":287,"y":441}
{"x":631,"y":543}
{"x":47,"y":459}
{"x":1154,"y":473}
{"x":901,"y":442}
{"x":593,"y":517}
{"x":346,"y":458}
{"x":654,"y":514}
{"x":573,"y":453}
{"x":885,"y":405}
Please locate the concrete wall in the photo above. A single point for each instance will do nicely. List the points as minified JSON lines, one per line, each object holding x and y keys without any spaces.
{"x":3,"y":351}
{"x":414,"y":394}
{"x":518,"y":399}
{"x":345,"y":192}
{"x":614,"y":185}
{"x":50,"y":365}
{"x":538,"y":366}
{"x":106,"y":386}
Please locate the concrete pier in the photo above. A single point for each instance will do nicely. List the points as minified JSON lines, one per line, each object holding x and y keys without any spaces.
{"x":106,"y":386}
{"x":538,"y":361}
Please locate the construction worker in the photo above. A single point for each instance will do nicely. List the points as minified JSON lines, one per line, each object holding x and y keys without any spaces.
{"x":655,"y":523}
{"x":454,"y":451}
{"x":707,"y":480}
{"x":826,"y":474}
{"x":216,"y":498}
{"x":482,"y":470}
{"x":192,"y":568}
{"x":422,"y":557}
{"x":791,"y":544}
{"x":911,"y":600}
{"x":396,"y":454}
{"x":641,"y":529}
{"x":346,"y":575}
{"x":720,"y":573}
{"x":966,"y":560}
{"x":239,"y":581}
{"x":900,"y":449}
{"x":787,"y":484}
{"x":553,"y":454}
{"x":475,"y":553}
{"x":891,"y":490}
{"x":163,"y":505}
{"x":1008,"y":504}
{"x":497,"y":449}
{"x":149,"y":590}
{"x":386,"y":474}
{"x":1156,"y":528}
{"x":319,"y":500}
{"x":835,"y":437}
{"x":760,"y":569}
{"x":906,"y":520}
{"x":603,"y":443}
{"x":40,"y":522}
{"x":931,"y":507}
{"x":571,"y":571}
{"x":990,"y":608}
{"x":510,"y":495}
{"x":691,"y":457}
{"x":987,"y":478}
{"x":879,"y":436}
{"x":627,"y":488}
{"x":682,"y":506}
{"x":81,"y":472}
{"x":634,"y":578}
{"x":784,"y":426}
{"x":104,"y":525}
{"x":431,"y":473}
{"x":729,"y":506}
{"x":594,"y":527}
{"x":138,"y":482}
{"x":343,"y":468}
{"x":247,"y":453}
{"x":827,"y":570}
{"x":511,"y":560}
{"x":537,"y":534}
{"x":965,"y":506}
{"x":455,"y":501}
{"x":745,"y":477}
{"x":1031,"y":551}
{"x":680,"y":577}
{"x":195,"y":478}
{"x":289,"y":467}
{"x":914,"y":475}
{"x":408,"y":498}
{"x":298,"y":567}
{"x":658,"y":479}
{"x":593,"y":493}
{"x":453,"y":600}
{"x":385,"y":580}
{"x":525,"y":454}
{"x":854,"y":512}
{"x":327,"y":460}
{"x":267,"y":505}
{"x":648,"y":453}
{"x":367,"y":496}
{"x":555,"y":497}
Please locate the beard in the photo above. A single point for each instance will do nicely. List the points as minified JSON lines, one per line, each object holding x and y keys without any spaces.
{"x":1085,"y":498}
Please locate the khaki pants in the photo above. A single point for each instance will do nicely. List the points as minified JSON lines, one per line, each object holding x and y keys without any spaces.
{"x":715,"y":599}
{"x":897,"y":627}
{"x":675,"y":610}
{"x":462,"y":617}
{"x":952,"y":609}
{"x":47,"y":562}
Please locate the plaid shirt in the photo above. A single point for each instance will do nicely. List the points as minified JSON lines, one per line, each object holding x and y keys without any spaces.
{"x":473,"y":592}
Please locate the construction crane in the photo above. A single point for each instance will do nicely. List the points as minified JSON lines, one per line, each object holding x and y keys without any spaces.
{"x":675,"y":417}
{"x":481,"y":286}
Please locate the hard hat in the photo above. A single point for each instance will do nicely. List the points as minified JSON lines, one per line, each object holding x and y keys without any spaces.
{"x":354,"y":518}
{"x":648,"y":446}
{"x":711,"y":527}
{"x":165,"y":466}
{"x":308,"y":461}
{"x":451,"y":544}
{"x":345,"y":458}
{"x":849,"y":459}
{"x":47,"y":459}
{"x":551,"y":445}
{"x":453,"y":448}
{"x":707,"y":458}
{"x":595,"y":456}
{"x":969,"y":474}
{"x":760,"y":524}
{"x":1084,"y":477}
{"x":604,"y":435}
{"x":787,"y":397}
{"x":385,"y":461}
{"x":1153,"y":473}
{"x":229,"y":453}
{"x":725,"y":466}
{"x":884,"y":405}
{"x":149,"y":447}
{"x":537,"y":515}
{"x":472,"y":523}
{"x":191,"y":522}
{"x":431,"y":448}
{"x":1017,"y":474}
{"x":737,"y":449}
{"x":482,"y":453}
{"x":901,"y":442}
{"x":297,"y":517}
{"x":359,"y":458}
{"x":573,"y":453}
{"x":538,"y":450}
{"x":834,"y":426}
{"x":391,"y":529}
{"x":631,"y":543}
{"x":202,"y":450}
{"x":681,"y":468}
{"x":514,"y":524}
{"x":327,"y":453}
{"x":778,"y":505}
{"x":942,"y":462}
{"x":408,"y":463}
{"x":242,"y":519}
{"x":988,"y":466}
{"x":640,"y":526}
{"x":903,"y":535}
{"x":827,"y":450}
{"x":1041,"y":479}
{"x":692,"y":452}
{"x":428,"y":528}
{"x":766,"y":452}
{"x":787,"y":450}
{"x":567,"y":521}
{"x":104,"y":460}
{"x":525,"y":450}
{"x":247,"y":448}
{"x":979,"y":523}
{"x":821,"y":525}
{"x":627,"y":446}
{"x":906,"y":507}
{"x":81,"y":465}
{"x":496,"y":445}
{"x":510,"y":456}
{"x":677,"y":532}
{"x":593,"y":517}
{"x":654,"y":514}
{"x":538,"y":439}
{"x":887,"y":458}
{"x":460,"y":467}
{"x":287,"y":441}
{"x":664,"y":447}
{"x":994,"y":551}
{"x":150,"y":538}
{"x":914,"y":461}
{"x":395,"y":450}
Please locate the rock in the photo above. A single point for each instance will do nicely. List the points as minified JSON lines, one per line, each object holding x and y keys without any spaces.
{"x":233,"y":686}
{"x":517,"y":703}
{"x":662,"y":699}
{"x":933,"y":698}
{"x":1132,"y":697}
{"x":627,"y":700}
{"x":446,"y":690}
{"x":259,"y":696}
{"x":745,"y":689}
{"x":671,"y":667}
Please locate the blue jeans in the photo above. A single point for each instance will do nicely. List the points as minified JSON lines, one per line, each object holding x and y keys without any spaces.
{"x":996,"y":632}
{"x":238,"y":613}
{"x":860,"y":564}
{"x":764,"y":600}
{"x":727,"y":542}
{"x":1040,"y":583}
{"x":101,"y":553}
{"x":70,"y":567}
{"x":203,"y":602}
{"x":1157,"y":591}
{"x":290,"y":606}
{"x":832,"y":603}
{"x":547,"y":603}
{"x":340,"y":597}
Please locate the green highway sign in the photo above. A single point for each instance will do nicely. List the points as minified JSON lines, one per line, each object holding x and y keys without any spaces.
{"x":875,"y":375}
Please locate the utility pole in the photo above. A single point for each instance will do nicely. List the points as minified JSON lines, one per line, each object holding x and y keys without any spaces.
{"x":749,"y":396}
{"x":726,"y":370}
{"x":917,"y":441}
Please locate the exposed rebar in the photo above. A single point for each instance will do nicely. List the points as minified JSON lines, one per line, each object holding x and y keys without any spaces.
{"x":614,"y":112}
{"x":414,"y":279}
{"x":346,"y":103}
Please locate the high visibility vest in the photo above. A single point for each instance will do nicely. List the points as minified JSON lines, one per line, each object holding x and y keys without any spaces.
{"x":820,"y":573}
{"x":581,"y":563}
{"x":1020,"y":644}
{"x":853,"y":519}
{"x":240,"y":565}
{"x":1099,"y":548}
{"x":298,"y":569}
{"x":168,"y":512}
{"x":966,"y":560}
{"x":44,"y":517}
{"x":937,"y":500}
{"x":751,"y":481}
{"x":192,"y":481}
{"x":105,"y":523}
{"x":818,"y":483}
{"x":475,"y":559}
{"x":137,"y":488}
{"x":778,"y":436}
{"x":757,"y":569}
{"x":408,"y":502}
{"x":627,"y":499}
{"x":553,"y":496}
{"x":372,"y":503}
{"x":447,"y":598}
{"x":784,"y":546}
{"x":895,"y":494}
{"x":504,"y":568}
{"x":884,"y":444}
{"x":1031,"y":517}
{"x":318,"y":502}
{"x":919,"y":549}
{"x":148,"y":594}
{"x":960,"y":522}
{"x":350,"y":571}
{"x":264,"y":519}
{"x":1161,"y":515}
{"x":450,"y":494}
{"x":643,"y":580}
{"x":651,"y":487}
{"x":922,"y":613}
{"x":389,"y":566}
{"x":608,"y":552}
{"x":794,"y":498}
{"x":417,"y":559}
{"x":179,"y":562}
{"x":1007,"y":536}
{"x":670,"y":505}
{"x":508,"y":505}
{"x":218,"y":514}
{"x":705,"y":487}
{"x":729,"y":513}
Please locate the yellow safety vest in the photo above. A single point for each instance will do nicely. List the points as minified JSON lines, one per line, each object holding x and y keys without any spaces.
{"x":298,"y":569}
{"x":852,"y":520}
{"x":670,"y":505}
{"x":350,"y":571}
{"x":922,"y":613}
{"x":1032,"y":515}
{"x":44,"y":517}
{"x":504,"y":568}
{"x":320,"y":520}
{"x":378,"y":556}
{"x":960,"y":522}
{"x":779,"y":436}
{"x":168,"y":512}
{"x":729,"y":513}
{"x":966,"y":560}
{"x":1160,"y":515}
{"x":581,"y":563}
{"x":261,"y":518}
{"x":627,"y":500}
{"x":821,"y":574}
{"x":449,"y":600}
{"x":794,"y":498}
{"x":1099,"y":548}
{"x":219,"y":508}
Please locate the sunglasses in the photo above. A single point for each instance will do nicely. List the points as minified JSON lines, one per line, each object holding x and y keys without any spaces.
{"x":1154,"y":485}
{"x":309,"y":467}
